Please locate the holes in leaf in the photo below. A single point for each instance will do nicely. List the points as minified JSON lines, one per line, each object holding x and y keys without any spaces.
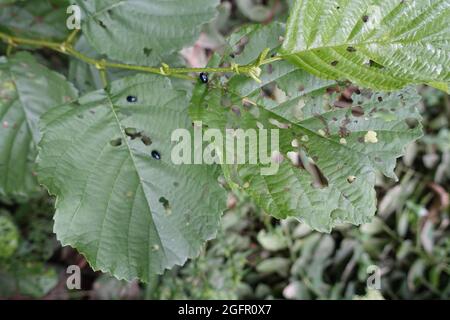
{"x":334,"y":63}
{"x":319,"y":179}
{"x":116,"y":142}
{"x":102,"y":24}
{"x":240,"y":46}
{"x":301,"y":160}
{"x":343,"y":130}
{"x":351,"y":179}
{"x":365,"y":18}
{"x":347,"y":94}
{"x":335,"y":89}
{"x":357,"y":111}
{"x":247,"y":103}
{"x":351,"y":49}
{"x":296,"y":159}
{"x":236,"y":110}
{"x":225,"y":101}
{"x":326,"y":130}
{"x":345,"y":99}
{"x":132,"y":133}
{"x":129,"y":194}
{"x":374,"y":64}
{"x":277,"y":157}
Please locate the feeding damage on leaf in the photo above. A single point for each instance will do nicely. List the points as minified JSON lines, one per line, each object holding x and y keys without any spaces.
{"x":141,"y":32}
{"x":343,"y":136}
{"x":384,"y":45}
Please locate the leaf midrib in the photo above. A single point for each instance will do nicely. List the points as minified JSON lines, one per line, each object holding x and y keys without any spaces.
{"x":288,"y":53}
{"x":29,"y":126}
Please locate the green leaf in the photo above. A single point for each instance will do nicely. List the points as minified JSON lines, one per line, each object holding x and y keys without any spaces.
{"x":337,"y":149}
{"x":246,"y":44}
{"x":41,"y":19}
{"x":381,"y":44}
{"x":141,"y":31}
{"x":254,"y":11}
{"x":274,"y":265}
{"x":272,"y":241}
{"x":129,"y":213}
{"x":28,"y":279}
{"x":27,"y":90}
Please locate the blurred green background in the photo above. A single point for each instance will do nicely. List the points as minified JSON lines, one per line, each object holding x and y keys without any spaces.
{"x":254,"y":255}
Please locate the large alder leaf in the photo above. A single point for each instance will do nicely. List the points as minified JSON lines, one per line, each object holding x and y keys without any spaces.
{"x":336,"y":153}
{"x":27,"y":90}
{"x":381,"y":44}
{"x":144,"y":32}
{"x":40,"y":19}
{"x":120,"y":199}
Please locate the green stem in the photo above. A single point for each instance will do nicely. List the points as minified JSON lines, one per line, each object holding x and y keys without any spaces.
{"x":66,"y":47}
